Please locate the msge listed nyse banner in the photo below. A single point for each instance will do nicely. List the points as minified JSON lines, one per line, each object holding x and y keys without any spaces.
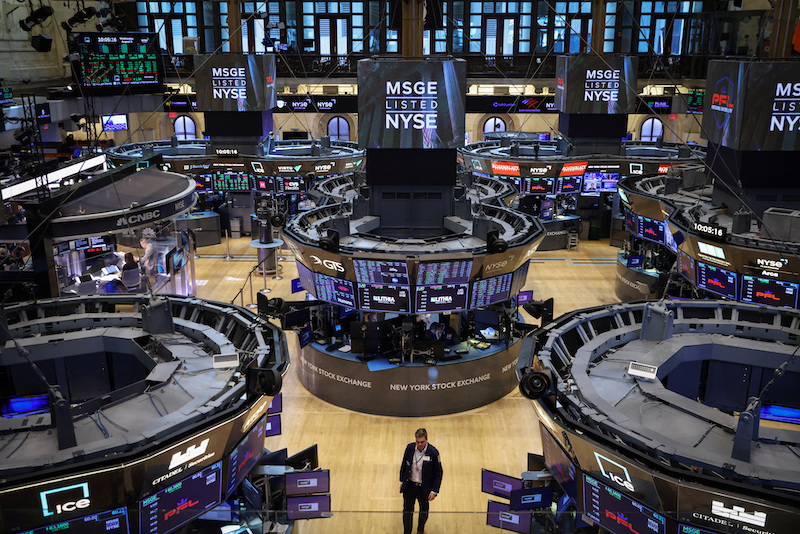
{"x":236,"y":83}
{"x":411,"y":104}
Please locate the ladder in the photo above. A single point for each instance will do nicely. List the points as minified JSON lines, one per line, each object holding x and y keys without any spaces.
{"x":573,"y":241}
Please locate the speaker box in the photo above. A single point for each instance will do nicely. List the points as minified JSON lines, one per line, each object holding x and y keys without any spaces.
{"x":330,"y":242}
{"x":263,"y":381}
{"x":42,"y":43}
{"x":537,"y":384}
{"x":494,"y":243}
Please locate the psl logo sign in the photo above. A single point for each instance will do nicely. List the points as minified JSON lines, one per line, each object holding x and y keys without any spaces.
{"x":737,"y":513}
{"x":50,"y":496}
{"x":614,"y":471}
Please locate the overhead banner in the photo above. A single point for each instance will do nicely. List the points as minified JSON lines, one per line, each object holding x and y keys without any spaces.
{"x":236,"y":83}
{"x":753,"y":106}
{"x":604,"y":85}
{"x":411,"y":104}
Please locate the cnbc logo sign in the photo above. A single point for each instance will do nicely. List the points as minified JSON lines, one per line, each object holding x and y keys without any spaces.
{"x":65,"y":499}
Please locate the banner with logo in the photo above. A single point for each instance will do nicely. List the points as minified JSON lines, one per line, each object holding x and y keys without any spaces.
{"x":236,"y":83}
{"x":603,"y":85}
{"x":411,"y":104}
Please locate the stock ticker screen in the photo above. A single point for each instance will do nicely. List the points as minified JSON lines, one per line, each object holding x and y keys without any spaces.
{"x":180,"y":503}
{"x":651,"y":229}
{"x":380,"y":272}
{"x":769,"y":291}
{"x":491,"y":290}
{"x":444,"y":272}
{"x":230,"y":181}
{"x":116,"y":62}
{"x":716,"y":280}
{"x":113,"y":521}
{"x":617,"y":512}
{"x":448,"y":297}
{"x":385,"y":298}
{"x":568,"y":184}
{"x":335,"y":290}
{"x":538,"y":186}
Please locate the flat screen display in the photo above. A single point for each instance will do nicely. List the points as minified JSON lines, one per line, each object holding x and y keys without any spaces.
{"x":335,"y":290}
{"x":384,"y":297}
{"x":559,"y":464}
{"x":306,"y":278}
{"x":769,"y":291}
{"x":716,"y":280}
{"x":524,"y":296}
{"x":448,"y":297}
{"x":490,"y":291}
{"x":230,"y":181}
{"x":651,"y":229}
{"x":113,"y":521}
{"x":296,"y":285}
{"x":43,"y":113}
{"x":568,"y":184}
{"x":62,"y":248}
{"x":538,"y":186}
{"x":180,"y":503}
{"x":498,"y":484}
{"x":501,"y":516}
{"x":600,"y":182}
{"x":531,"y":498}
{"x":82,"y":243}
{"x":305,"y":336}
{"x":686,"y":266}
{"x":444,"y":272}
{"x":380,"y":272}
{"x":388,"y":166}
{"x":273,"y":425}
{"x":520,"y":278}
{"x":290,"y":184}
{"x":618,"y":513}
{"x":276,"y":404}
{"x":308,"y":482}
{"x":245,"y":455}
{"x":114,"y":123}
{"x":265,"y":183}
{"x":231,"y":82}
{"x":695,"y":100}
{"x":308,"y":507}
{"x":6,"y":96}
{"x":113,"y":63}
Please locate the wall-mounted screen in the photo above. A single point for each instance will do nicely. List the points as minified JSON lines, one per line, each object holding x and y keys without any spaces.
{"x":114,"y":123}
{"x":113,"y":521}
{"x":716,"y":280}
{"x":308,"y":507}
{"x":306,"y":278}
{"x":568,"y":184}
{"x":335,"y":290}
{"x":769,"y":291}
{"x":499,"y":484}
{"x":490,"y":291}
{"x":444,"y":272}
{"x":538,"y":186}
{"x":230,"y":181}
{"x":559,"y":464}
{"x":448,"y":297}
{"x":180,"y":503}
{"x":380,"y":272}
{"x":245,"y":455}
{"x":113,"y":63}
{"x":384,"y":297}
{"x":618,"y":513}
{"x":308,"y":482}
{"x":501,"y":516}
{"x":651,"y":229}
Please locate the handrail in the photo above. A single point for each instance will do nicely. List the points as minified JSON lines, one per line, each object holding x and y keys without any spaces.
{"x":249,"y":280}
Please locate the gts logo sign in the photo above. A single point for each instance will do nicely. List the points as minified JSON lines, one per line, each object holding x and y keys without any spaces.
{"x":328,"y":264}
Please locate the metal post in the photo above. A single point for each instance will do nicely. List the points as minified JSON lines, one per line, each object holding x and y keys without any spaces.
{"x":228,"y":245}
{"x":264,"y":271}
{"x":250,"y":281}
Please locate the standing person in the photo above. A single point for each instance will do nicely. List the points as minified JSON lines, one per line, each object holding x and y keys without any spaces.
{"x":420,"y":479}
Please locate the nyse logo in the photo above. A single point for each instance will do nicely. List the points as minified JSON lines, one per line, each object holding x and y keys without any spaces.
{"x":328,"y":264}
{"x":180,"y":205}
{"x":614,"y":471}
{"x":737,"y":513}
{"x":194,"y":451}
{"x":50,"y":499}
{"x":770,"y":264}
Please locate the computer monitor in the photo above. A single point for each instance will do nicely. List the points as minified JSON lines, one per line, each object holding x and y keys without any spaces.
{"x":295,"y":318}
{"x":305,"y":336}
{"x":245,"y":455}
{"x":305,"y":459}
{"x":531,"y":498}
{"x":274,"y":458}
{"x":276,"y":404}
{"x":501,"y":516}
{"x":273,"y":425}
{"x":308,"y":507}
{"x":308,"y":482}
{"x":499,"y":484}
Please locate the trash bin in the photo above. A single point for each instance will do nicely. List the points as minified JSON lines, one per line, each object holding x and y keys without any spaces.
{"x":236,"y":228}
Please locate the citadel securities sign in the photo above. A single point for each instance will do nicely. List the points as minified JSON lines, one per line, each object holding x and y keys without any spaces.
{"x":411,"y":104}
{"x":236,"y":83}
{"x":754,"y":106}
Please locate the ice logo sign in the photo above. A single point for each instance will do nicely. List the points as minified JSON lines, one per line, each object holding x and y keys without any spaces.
{"x":614,"y":471}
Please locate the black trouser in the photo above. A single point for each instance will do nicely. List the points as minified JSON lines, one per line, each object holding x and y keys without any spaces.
{"x":413,"y":492}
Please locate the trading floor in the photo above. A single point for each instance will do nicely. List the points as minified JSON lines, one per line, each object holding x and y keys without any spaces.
{"x":363,"y":451}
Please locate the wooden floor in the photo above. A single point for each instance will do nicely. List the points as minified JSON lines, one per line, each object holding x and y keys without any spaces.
{"x":363,"y":451}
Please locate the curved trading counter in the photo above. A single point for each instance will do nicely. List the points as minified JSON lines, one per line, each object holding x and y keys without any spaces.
{"x":412,"y":389}
{"x":635,"y":283}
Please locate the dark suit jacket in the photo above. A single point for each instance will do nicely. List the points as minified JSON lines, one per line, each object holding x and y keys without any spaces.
{"x":431,"y":469}
{"x":448,"y":330}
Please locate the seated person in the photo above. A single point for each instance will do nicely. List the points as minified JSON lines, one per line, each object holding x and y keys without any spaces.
{"x":442,"y":332}
{"x":130,"y":262}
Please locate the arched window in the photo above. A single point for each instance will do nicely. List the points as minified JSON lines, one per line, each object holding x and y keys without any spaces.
{"x":184,"y":128}
{"x":339,"y":129}
{"x":652,"y":129}
{"x":494,"y":124}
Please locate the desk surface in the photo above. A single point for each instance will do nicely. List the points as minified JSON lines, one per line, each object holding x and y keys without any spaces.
{"x":419,"y":360}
